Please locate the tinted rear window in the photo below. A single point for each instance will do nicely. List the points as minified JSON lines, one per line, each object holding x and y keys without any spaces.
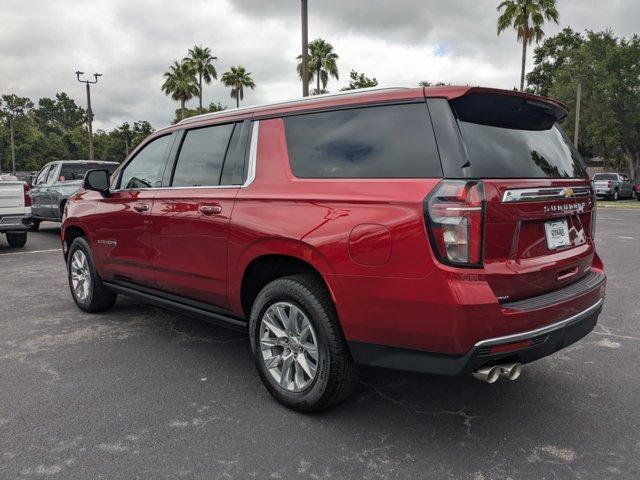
{"x":393,"y":141}
{"x":515,"y":137}
{"x":605,"y":176}
{"x":76,"y":171}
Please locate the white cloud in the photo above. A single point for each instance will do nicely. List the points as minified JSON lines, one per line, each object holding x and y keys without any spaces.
{"x":132,"y":43}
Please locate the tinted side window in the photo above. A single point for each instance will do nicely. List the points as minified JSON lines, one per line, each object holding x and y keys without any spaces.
{"x":147,"y":167}
{"x":201,"y":156}
{"x":393,"y":141}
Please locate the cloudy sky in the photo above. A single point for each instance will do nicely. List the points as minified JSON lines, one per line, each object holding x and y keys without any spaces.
{"x":132,"y":43}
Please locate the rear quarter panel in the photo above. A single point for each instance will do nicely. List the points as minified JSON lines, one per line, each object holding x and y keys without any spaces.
{"x":346,"y":229}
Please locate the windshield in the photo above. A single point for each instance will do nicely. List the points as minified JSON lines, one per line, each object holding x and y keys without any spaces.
{"x":605,"y":176}
{"x":76,"y":171}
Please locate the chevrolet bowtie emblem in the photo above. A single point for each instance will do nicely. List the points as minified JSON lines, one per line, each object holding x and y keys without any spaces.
{"x":567,"y":192}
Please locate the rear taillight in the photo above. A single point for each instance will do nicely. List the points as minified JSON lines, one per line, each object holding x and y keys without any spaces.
{"x":27,"y":196}
{"x":455,"y":214}
{"x":609,"y":184}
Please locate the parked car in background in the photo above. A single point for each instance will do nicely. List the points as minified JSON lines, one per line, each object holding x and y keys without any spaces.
{"x":15,"y":210}
{"x":445,"y":230}
{"x":613,"y":186}
{"x":55,"y":183}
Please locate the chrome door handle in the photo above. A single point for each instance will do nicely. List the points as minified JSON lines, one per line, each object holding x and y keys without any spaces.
{"x":141,"y":207}
{"x":210,"y":209}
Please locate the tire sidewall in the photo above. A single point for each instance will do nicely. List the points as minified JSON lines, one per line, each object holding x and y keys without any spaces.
{"x":17,"y":239}
{"x":290,"y":291}
{"x":81,"y":244}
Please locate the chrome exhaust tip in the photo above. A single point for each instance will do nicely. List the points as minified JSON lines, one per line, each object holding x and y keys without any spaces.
{"x":488,"y":374}
{"x":512,"y":371}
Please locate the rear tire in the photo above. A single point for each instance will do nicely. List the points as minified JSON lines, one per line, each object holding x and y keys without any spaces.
{"x":306,"y":299}
{"x":616,"y":195}
{"x":17,"y":239}
{"x":86,"y":286}
{"x":634,"y":195}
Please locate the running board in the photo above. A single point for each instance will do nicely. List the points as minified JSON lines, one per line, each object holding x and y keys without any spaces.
{"x":161,"y":299}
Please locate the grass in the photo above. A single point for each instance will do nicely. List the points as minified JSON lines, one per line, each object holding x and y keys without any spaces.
{"x":618,"y":204}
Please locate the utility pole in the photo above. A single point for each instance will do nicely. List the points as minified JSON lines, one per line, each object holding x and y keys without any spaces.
{"x":89,"y":111}
{"x":13,"y":147}
{"x":305,"y":49}
{"x":577,"y":122}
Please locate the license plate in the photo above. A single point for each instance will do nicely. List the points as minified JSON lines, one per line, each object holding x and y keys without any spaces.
{"x":557,"y":232}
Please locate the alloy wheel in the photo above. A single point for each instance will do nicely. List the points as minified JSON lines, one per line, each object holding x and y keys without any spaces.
{"x":289,"y":346}
{"x":80,"y":275}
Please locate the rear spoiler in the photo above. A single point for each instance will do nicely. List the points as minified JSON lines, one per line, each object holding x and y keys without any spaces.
{"x":502,"y":108}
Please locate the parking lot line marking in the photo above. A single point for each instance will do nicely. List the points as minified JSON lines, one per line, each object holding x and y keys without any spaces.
{"x":33,"y":251}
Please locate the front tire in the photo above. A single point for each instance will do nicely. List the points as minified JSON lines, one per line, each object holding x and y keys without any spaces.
{"x":86,"y":286}
{"x":17,"y":239}
{"x":299,"y":349}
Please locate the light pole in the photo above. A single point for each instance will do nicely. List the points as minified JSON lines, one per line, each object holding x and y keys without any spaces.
{"x":577,"y":122}
{"x":89,"y":111}
{"x":305,"y":49}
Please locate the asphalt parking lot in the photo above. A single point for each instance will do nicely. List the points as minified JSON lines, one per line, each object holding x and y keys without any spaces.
{"x":142,"y":393}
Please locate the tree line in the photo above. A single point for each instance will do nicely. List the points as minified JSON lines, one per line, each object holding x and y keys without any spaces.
{"x":55,"y":129}
{"x":605,"y":67}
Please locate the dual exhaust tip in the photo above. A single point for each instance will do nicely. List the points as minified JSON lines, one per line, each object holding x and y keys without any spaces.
{"x":492,"y":373}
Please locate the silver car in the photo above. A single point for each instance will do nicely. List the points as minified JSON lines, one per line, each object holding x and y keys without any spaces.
{"x":55,"y":183}
{"x":613,"y":186}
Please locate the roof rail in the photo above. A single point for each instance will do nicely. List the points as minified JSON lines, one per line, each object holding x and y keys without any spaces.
{"x":204,"y":116}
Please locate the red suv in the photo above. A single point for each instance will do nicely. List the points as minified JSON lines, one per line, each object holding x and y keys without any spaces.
{"x":444,"y":230}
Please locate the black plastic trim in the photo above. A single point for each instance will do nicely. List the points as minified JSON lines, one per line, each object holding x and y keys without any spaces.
{"x":205,"y":311}
{"x":544,"y":342}
{"x":587,"y":283}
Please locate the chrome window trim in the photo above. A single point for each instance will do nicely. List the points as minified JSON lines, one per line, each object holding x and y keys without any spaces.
{"x":543,"y":193}
{"x":540,"y":331}
{"x":251,"y":170}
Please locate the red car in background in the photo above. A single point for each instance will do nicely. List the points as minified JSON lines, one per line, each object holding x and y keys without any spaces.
{"x":445,"y":230}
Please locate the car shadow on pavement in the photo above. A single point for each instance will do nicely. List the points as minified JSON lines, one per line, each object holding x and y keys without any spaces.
{"x":542,"y":404}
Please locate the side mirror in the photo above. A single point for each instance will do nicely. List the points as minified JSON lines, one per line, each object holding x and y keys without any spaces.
{"x":97,"y":180}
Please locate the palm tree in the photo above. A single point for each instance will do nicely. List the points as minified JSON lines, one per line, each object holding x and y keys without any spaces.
{"x":201,"y":61}
{"x":180,"y":82}
{"x":527,"y":18}
{"x":322,"y":63}
{"x":237,"y":78}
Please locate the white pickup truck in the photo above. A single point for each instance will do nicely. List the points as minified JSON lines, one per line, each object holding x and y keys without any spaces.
{"x":15,"y":210}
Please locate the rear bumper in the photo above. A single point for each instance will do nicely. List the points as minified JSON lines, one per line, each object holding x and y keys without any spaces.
{"x":541,"y":342}
{"x":14,"y":223}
